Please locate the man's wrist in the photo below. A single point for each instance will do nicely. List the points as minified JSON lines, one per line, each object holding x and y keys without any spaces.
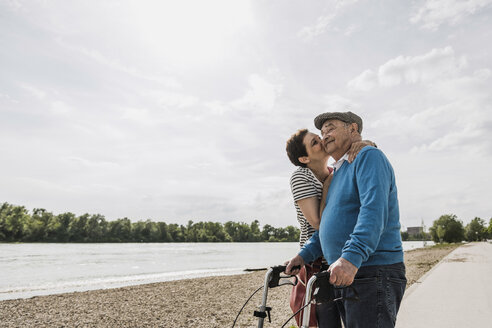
{"x":353,"y":258}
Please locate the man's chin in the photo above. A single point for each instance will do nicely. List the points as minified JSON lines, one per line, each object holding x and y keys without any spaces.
{"x":329,"y":147}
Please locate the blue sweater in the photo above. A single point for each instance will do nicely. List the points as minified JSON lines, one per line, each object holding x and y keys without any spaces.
{"x":361,"y":220}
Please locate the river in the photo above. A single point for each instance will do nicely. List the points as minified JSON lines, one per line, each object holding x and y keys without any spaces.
{"x":28,"y":270}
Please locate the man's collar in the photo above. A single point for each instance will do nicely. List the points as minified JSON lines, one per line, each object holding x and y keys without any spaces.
{"x":339,"y":163}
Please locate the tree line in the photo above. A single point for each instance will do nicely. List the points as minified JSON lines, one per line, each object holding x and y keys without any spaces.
{"x":449,"y":229}
{"x":18,"y":225}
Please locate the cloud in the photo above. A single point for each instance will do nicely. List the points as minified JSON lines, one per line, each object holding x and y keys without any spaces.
{"x":323,"y":23}
{"x":366,"y":81}
{"x":97,"y":56}
{"x":6,"y":97}
{"x":436,"y":64}
{"x":93,"y":164}
{"x":262,"y":94}
{"x":170,"y":99}
{"x":437,"y":12}
{"x":453,"y":115}
{"x":337,"y":103}
{"x":34,"y":91}
{"x":320,"y":27}
{"x":140,"y":115}
{"x":14,"y":5}
{"x":59,"y":107}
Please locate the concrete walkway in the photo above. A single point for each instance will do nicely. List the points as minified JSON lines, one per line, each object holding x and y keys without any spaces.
{"x":457,"y":292}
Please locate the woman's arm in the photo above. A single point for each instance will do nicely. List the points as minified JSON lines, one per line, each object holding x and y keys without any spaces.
{"x":310,"y":209}
{"x":326,"y":186}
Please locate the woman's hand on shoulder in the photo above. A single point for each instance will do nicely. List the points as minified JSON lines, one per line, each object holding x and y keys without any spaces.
{"x":357,"y":147}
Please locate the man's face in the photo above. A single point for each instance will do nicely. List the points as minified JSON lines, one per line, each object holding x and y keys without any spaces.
{"x":336,"y":137}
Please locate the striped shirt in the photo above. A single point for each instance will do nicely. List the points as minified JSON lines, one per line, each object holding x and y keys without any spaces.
{"x":304,"y":184}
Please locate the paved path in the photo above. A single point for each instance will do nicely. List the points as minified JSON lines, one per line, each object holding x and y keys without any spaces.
{"x":457,"y":292}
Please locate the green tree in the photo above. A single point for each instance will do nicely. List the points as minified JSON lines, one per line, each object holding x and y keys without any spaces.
{"x":62,"y":233}
{"x":78,"y":229}
{"x":447,"y":229}
{"x":215,"y":232}
{"x":96,"y":228}
{"x":476,"y":230}
{"x":120,"y":230}
{"x":293,"y":233}
{"x":13,"y":222}
{"x":176,"y":232}
{"x":164,"y":235}
{"x":255,"y":231}
{"x":268,"y":233}
{"x":138,"y":232}
{"x":238,"y":231}
{"x":39,"y":227}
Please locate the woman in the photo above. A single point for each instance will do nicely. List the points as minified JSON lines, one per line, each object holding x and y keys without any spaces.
{"x":309,"y":185}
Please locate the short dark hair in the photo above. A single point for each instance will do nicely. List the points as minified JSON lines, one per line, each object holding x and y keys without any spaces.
{"x":295,"y":147}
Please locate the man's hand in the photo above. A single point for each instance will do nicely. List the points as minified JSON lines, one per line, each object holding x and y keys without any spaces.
{"x":356,"y":148}
{"x":295,"y":261}
{"x":342,"y":272}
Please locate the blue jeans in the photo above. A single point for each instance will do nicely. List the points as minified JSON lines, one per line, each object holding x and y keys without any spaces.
{"x":328,"y":316}
{"x":380,"y":289}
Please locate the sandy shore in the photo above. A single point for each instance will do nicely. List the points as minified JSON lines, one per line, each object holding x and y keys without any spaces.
{"x":203,"y":302}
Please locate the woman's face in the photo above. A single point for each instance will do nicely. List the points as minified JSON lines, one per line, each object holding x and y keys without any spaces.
{"x":314,"y":147}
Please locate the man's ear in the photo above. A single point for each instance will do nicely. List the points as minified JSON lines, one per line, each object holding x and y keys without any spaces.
{"x":304,"y":159}
{"x":354,"y":127}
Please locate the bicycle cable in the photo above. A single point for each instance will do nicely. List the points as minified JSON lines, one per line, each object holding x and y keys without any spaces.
{"x":296,"y":313}
{"x":245,"y":305}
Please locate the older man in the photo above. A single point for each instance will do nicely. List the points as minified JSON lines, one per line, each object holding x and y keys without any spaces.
{"x":359,"y":233}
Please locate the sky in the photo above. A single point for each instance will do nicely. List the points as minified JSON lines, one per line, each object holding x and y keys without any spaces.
{"x":180,"y":110}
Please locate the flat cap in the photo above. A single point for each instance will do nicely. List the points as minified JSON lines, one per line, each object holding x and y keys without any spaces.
{"x":347,"y":117}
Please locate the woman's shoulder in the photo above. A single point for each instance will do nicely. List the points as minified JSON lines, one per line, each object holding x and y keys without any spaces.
{"x":301,"y":173}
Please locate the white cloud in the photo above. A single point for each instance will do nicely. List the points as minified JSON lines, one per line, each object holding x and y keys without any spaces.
{"x":112,"y":63}
{"x":337,"y":103}
{"x":140,"y":115}
{"x":364,"y":82}
{"x":7,"y":98}
{"x":93,"y":164}
{"x":320,"y":27}
{"x":434,"y":13}
{"x":170,"y":99}
{"x":14,"y":4}
{"x":59,"y":107}
{"x":323,"y":22}
{"x":261,"y":95}
{"x":456,"y":118}
{"x":436,"y":64}
{"x":34,"y":91}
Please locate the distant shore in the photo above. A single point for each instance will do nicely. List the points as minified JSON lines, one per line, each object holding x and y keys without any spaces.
{"x":201,"y":302}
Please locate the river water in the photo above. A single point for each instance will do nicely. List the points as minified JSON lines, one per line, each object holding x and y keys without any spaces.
{"x":28,"y":270}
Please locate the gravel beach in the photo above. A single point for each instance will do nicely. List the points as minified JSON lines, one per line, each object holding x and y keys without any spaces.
{"x":202,"y":302}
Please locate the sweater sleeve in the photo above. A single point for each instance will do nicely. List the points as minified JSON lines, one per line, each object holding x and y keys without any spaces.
{"x":311,"y":249}
{"x":373,"y":176}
